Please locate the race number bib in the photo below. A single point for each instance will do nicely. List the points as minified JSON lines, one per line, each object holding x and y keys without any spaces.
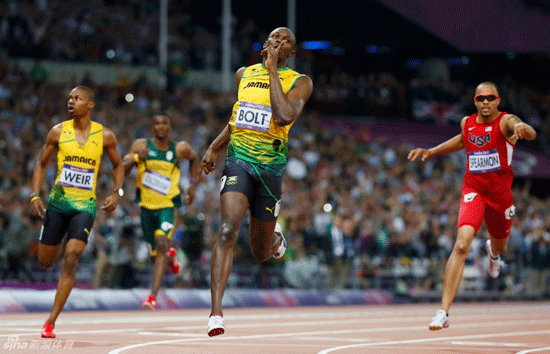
{"x":77,"y":177}
{"x":253,"y":116}
{"x":156,"y":181}
{"x":484,"y":161}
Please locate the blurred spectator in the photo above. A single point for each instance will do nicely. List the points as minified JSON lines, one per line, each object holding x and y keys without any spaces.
{"x":538,"y":282}
{"x":342,"y":252}
{"x":19,"y":236}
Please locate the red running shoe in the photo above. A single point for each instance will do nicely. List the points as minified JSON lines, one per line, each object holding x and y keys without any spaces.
{"x":47,"y":331}
{"x":150,"y":303}
{"x":173,"y":263}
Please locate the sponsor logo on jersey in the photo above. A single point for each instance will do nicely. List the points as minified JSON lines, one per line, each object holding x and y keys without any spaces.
{"x":257,"y":84}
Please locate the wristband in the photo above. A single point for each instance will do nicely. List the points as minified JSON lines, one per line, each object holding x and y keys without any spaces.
{"x":193,"y":180}
{"x":136,"y":158}
{"x":34,"y":194}
{"x":36,"y":197}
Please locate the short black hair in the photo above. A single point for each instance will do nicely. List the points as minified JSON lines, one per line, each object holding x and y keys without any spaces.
{"x":163,"y":114}
{"x":89,"y":92}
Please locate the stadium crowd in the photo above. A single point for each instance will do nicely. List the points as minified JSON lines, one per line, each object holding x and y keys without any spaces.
{"x":355,"y":212}
{"x":38,"y":29}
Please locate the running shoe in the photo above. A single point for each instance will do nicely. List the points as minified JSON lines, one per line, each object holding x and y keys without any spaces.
{"x":173,"y":262}
{"x":47,"y":331}
{"x":150,"y":303}
{"x":282,"y":247}
{"x":440,"y":321}
{"x":216,"y":326}
{"x":494,"y":263}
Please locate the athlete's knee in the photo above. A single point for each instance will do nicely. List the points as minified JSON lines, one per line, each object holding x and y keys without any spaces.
{"x":46,"y":261}
{"x":161,"y":242}
{"x":462,"y":248}
{"x":228,"y":234}
{"x":70,"y":261}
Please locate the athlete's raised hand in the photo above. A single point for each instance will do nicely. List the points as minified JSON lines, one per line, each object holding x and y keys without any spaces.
{"x":426,"y":154}
{"x":143,"y":153}
{"x":272,"y":55}
{"x":521,"y":131}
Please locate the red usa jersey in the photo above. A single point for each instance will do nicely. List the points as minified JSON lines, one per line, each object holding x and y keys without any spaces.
{"x":489,"y":155}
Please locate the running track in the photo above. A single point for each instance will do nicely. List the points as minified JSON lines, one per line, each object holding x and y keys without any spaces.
{"x":488,"y":328}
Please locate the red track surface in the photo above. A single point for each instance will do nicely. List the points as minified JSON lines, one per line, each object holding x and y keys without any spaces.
{"x":492,"y":328}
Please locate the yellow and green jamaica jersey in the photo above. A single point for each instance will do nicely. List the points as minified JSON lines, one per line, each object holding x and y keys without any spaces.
{"x":77,"y":168}
{"x":254,"y":135}
{"x":158,"y":178}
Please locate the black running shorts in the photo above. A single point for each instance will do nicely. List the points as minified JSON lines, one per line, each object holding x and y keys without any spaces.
{"x":262,"y":188}
{"x":57,"y":224}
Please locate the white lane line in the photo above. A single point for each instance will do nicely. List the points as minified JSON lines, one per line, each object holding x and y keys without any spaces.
{"x":336,"y":339}
{"x":168,"y":334}
{"x":370,"y":330}
{"x":533,"y":350}
{"x":492,"y":344}
{"x":99,"y":331}
{"x":496,"y":323}
{"x":426,"y":340}
{"x":396,"y":311}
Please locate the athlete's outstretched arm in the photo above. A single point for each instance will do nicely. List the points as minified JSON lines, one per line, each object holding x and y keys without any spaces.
{"x":185,"y":151}
{"x":517,"y":129}
{"x":137,"y":153}
{"x":208,"y":163}
{"x":454,"y":144}
{"x":285,"y":107}
{"x":52,"y":142}
{"x":109,"y":145}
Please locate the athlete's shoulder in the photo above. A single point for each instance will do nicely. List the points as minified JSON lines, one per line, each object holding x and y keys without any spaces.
{"x":109,"y":137}
{"x":463,"y":122}
{"x":55,"y":132}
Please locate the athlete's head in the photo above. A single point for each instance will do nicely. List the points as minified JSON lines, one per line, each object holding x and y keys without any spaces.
{"x":276,"y":37}
{"x":81,"y":101}
{"x":162,"y":124}
{"x":487,"y":99}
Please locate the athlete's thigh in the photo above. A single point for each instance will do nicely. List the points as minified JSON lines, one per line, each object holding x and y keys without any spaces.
{"x":267,"y":195}
{"x":499,"y":221}
{"x":236,"y":192}
{"x":236,"y":178}
{"x":54,"y":228}
{"x":167,"y":220}
{"x":472,"y":209}
{"x":80,"y":226}
{"x":149,"y":224}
